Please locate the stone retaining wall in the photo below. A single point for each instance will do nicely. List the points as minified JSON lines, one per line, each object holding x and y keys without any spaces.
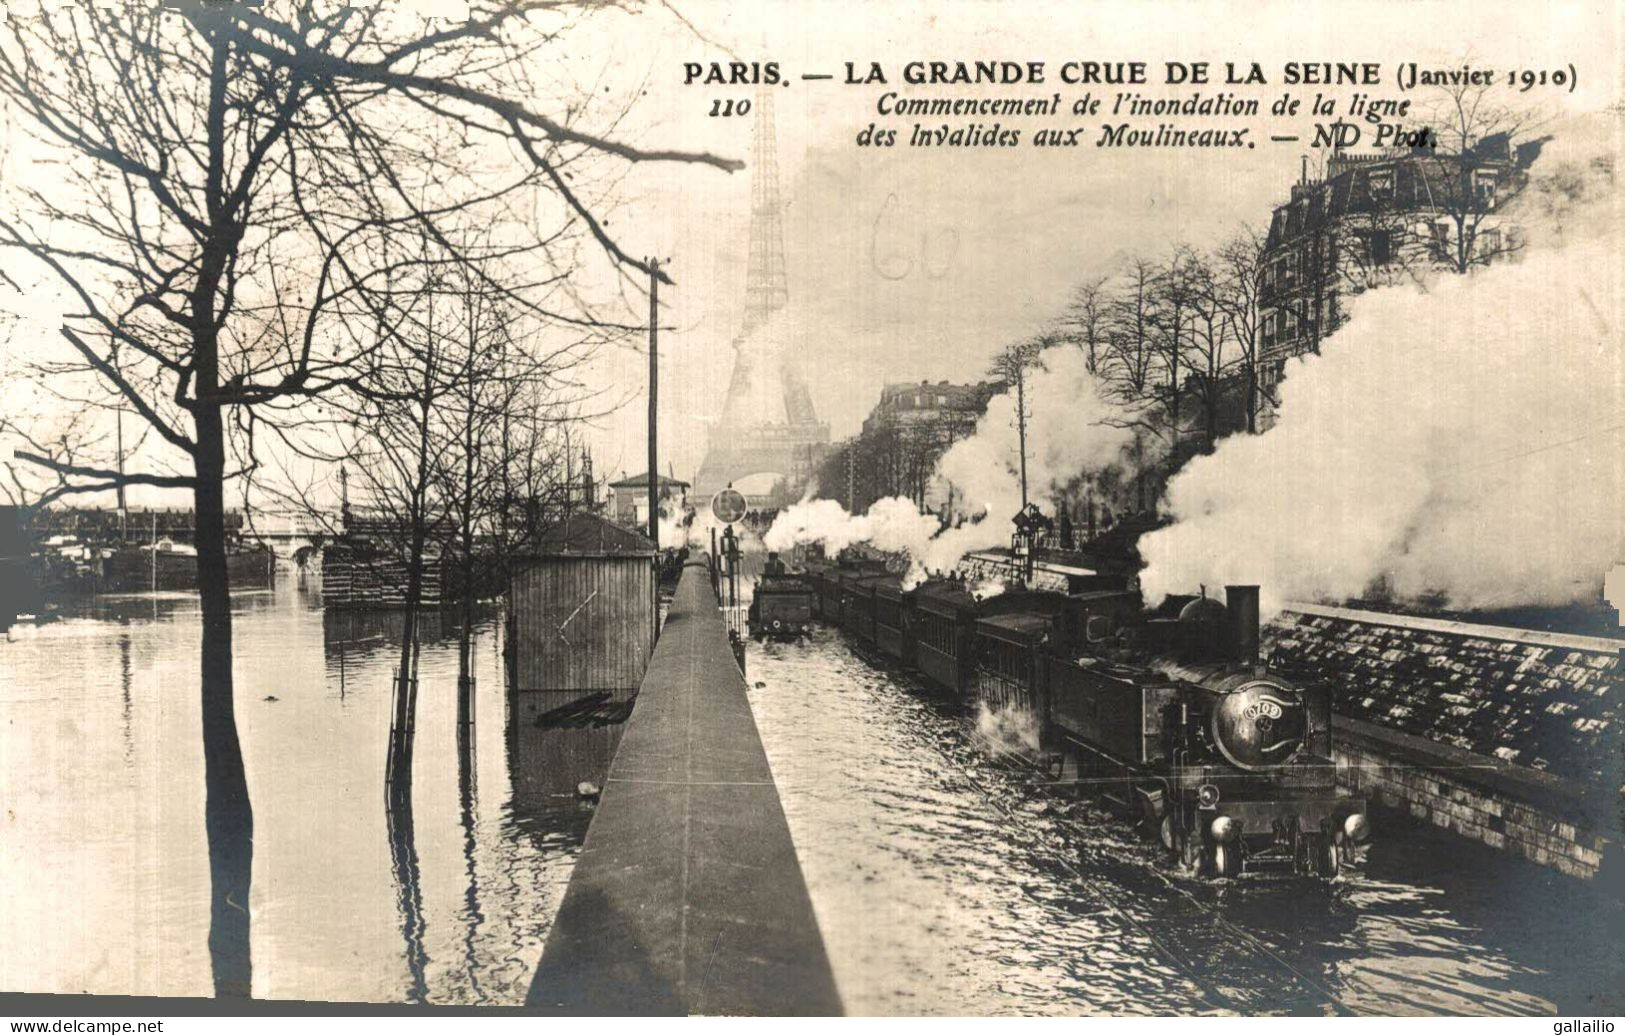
{"x":1542,"y":818}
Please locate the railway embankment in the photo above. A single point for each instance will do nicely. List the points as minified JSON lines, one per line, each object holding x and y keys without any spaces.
{"x":688,"y":897}
{"x":1510,"y":737}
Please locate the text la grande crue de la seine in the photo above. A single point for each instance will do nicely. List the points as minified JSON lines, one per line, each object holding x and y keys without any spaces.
{"x":1084,"y":73}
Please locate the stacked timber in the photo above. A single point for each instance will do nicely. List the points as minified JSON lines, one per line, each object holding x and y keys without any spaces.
{"x":354,"y":577}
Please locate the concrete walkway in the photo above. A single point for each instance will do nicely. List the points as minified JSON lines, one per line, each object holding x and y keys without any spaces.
{"x":688,"y":897}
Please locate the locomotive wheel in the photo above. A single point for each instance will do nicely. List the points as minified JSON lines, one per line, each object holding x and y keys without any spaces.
{"x":1326,"y":857}
{"x":1190,"y":856}
{"x":1226,"y":861}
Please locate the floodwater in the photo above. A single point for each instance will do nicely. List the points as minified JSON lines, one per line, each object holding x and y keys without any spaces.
{"x":944,"y":880}
{"x":948,"y":882}
{"x":102,"y":855}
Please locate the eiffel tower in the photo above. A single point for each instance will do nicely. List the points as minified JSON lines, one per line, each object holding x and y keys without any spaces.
{"x":768,"y":425}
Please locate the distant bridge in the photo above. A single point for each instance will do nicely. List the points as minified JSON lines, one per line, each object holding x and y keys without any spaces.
{"x":293,"y":535}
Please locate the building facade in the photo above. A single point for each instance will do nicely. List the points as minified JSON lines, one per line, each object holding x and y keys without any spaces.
{"x":910,"y":428}
{"x":1374,"y":220}
{"x":953,"y":408}
{"x":629,"y":499}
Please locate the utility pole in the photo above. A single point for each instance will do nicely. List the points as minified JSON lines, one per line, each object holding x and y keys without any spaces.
{"x":851,"y":479}
{"x":654,"y":410}
{"x":1021,"y":423}
{"x":123,"y":508}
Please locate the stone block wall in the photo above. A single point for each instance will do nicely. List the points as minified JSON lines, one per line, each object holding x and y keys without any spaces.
{"x":1547,"y":821}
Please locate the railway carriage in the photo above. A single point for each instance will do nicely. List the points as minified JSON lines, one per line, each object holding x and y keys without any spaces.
{"x":892,"y":605}
{"x":942,"y":628}
{"x":1009,"y":664}
{"x":827,"y":592}
{"x":858,"y":602}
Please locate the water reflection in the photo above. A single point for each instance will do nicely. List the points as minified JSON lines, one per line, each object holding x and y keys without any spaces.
{"x":447,"y":898}
{"x":946,"y":882}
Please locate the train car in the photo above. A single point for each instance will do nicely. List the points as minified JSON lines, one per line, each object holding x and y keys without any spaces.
{"x":892,"y":604}
{"x":826,"y":593}
{"x":1013,"y":633}
{"x":1008,"y":667}
{"x":942,"y":630}
{"x":858,"y":598}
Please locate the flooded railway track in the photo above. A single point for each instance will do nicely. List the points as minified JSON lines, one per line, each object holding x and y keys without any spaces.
{"x":939,"y":869}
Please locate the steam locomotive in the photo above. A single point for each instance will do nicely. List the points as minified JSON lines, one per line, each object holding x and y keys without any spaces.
{"x":781,"y":605}
{"x":1167,"y":712}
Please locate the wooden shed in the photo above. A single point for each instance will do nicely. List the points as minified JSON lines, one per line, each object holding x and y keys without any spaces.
{"x":585,"y":611}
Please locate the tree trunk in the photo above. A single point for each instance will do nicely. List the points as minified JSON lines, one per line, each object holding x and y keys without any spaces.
{"x":465,"y":672}
{"x":1252,"y":398}
{"x":228,"y":816}
{"x":405,"y":717}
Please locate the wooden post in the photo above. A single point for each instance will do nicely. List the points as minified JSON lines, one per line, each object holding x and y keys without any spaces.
{"x":654,"y":411}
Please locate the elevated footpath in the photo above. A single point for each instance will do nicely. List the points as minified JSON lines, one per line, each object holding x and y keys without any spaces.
{"x":688,"y":897}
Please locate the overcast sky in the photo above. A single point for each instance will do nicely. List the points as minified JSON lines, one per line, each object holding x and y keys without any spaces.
{"x":905,"y":263}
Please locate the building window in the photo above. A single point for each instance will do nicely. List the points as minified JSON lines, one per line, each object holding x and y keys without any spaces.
{"x":1380,"y":247}
{"x":1440,"y":240}
{"x":1484,"y":187}
{"x":1488,"y":243}
{"x":1381,"y":183}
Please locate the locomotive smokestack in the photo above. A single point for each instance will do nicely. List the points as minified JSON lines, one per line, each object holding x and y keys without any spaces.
{"x":1242,"y":604}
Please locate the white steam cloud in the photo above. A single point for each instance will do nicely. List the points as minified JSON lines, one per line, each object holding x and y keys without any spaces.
{"x":1070,"y":429}
{"x":1464,"y":439}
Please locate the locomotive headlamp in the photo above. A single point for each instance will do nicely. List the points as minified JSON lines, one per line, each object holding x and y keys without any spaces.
{"x":1207,"y":795}
{"x":1225,"y":829}
{"x":1356,"y":827}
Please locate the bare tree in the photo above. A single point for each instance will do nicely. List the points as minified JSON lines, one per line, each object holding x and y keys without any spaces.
{"x":1207,"y":354}
{"x":1085,"y":321}
{"x":213,"y":147}
{"x":1475,"y":169}
{"x":1235,"y":291}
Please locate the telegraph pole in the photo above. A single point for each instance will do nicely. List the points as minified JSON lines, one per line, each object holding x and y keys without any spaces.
{"x":851,"y":480}
{"x":123,"y":506}
{"x":654,"y":410}
{"x":1021,"y":424}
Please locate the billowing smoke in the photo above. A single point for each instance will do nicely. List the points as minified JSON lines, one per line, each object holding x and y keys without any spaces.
{"x":1463,"y":439}
{"x":892,"y":524}
{"x":1071,"y":428}
{"x":674,"y":523}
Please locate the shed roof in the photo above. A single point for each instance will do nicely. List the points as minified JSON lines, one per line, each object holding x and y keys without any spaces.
{"x":582,"y":532}
{"x":641,"y":481}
